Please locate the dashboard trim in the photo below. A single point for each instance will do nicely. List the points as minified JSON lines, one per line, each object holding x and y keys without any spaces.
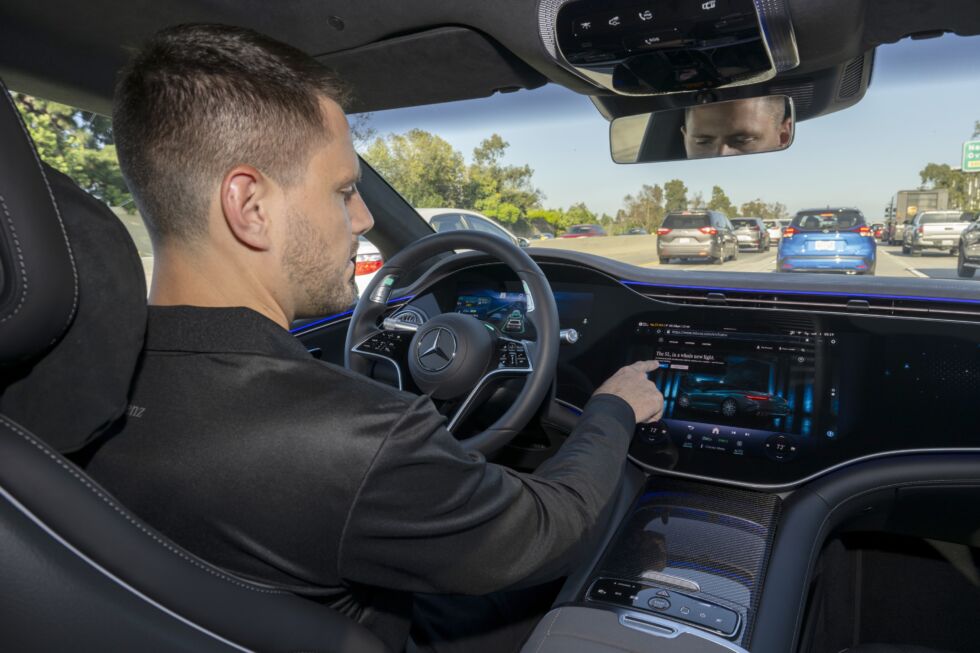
{"x":819,"y":293}
{"x":795,"y":484}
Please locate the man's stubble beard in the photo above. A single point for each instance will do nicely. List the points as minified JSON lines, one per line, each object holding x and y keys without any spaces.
{"x":320,"y":288}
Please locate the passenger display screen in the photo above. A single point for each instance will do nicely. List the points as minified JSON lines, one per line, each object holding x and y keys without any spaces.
{"x":738,"y":391}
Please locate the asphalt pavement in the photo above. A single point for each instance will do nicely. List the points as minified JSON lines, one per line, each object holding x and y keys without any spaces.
{"x":642,"y":251}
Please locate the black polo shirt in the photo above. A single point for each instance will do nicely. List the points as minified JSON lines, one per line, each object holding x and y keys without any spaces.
{"x":253,"y":455}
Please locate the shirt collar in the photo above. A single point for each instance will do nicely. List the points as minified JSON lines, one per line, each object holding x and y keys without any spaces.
{"x":218,"y":330}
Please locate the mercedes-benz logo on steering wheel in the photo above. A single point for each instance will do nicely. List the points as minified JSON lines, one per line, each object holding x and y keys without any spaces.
{"x":436,"y":349}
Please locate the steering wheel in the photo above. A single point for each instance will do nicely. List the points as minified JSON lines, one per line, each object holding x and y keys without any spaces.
{"x":453,"y":357}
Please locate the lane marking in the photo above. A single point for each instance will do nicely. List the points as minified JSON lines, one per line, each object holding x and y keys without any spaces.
{"x":901,"y":264}
{"x":921,"y":275}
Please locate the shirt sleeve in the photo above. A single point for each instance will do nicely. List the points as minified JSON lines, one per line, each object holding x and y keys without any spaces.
{"x":432,"y":517}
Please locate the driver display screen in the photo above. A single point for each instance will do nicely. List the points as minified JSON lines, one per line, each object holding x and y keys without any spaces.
{"x":724,"y":385}
{"x":507,"y":311}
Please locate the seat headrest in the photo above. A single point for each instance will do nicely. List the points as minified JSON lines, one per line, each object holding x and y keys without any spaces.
{"x":72,"y":298}
{"x":38,"y":280}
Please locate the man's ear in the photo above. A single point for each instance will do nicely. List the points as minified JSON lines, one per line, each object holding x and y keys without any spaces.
{"x":245,"y":195}
{"x":785,"y":132}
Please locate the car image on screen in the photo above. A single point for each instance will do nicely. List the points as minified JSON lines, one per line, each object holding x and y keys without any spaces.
{"x":715,"y":395}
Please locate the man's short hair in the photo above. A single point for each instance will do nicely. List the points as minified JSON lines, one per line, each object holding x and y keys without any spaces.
{"x":198,"y":100}
{"x":776,"y":106}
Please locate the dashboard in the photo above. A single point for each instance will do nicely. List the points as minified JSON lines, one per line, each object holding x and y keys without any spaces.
{"x":753,"y":397}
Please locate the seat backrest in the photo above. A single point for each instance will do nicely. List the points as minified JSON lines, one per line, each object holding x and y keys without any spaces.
{"x":77,"y":570}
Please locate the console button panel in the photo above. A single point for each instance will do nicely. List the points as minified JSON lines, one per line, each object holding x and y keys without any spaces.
{"x":666,"y":602}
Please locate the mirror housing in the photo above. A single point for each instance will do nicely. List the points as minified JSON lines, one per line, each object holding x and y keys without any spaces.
{"x":704,"y":131}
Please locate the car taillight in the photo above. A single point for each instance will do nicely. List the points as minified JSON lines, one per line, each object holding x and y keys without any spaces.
{"x":921,"y":230}
{"x":757,"y":397}
{"x":663,"y":231}
{"x":864,"y":231}
{"x":367,"y":264}
{"x":711,"y":231}
{"x":789,"y":232}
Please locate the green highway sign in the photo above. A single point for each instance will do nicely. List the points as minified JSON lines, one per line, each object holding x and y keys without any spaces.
{"x":971,"y":156}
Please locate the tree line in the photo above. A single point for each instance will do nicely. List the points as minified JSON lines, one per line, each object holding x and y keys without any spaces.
{"x":964,"y":187}
{"x":422,"y":166}
{"x":428,"y":172}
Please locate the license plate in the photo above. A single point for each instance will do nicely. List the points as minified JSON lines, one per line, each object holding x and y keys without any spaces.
{"x":947,"y":243}
{"x":745,"y":238}
{"x":683,"y":241}
{"x":825,"y":245}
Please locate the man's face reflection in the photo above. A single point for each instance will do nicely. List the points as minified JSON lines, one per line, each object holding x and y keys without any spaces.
{"x":738,"y":127}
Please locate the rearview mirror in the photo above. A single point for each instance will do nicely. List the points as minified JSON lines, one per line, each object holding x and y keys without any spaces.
{"x":704,"y":131}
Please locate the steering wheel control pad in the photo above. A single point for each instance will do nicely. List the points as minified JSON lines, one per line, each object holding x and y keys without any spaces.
{"x":450,"y":354}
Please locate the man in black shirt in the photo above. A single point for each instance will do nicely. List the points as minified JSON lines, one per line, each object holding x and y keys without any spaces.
{"x":249,"y":452}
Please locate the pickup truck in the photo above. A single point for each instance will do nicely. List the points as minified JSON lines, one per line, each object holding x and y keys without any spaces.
{"x":935,"y":230}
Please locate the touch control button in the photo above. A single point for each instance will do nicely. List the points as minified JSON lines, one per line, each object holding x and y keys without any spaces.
{"x":659,"y":603}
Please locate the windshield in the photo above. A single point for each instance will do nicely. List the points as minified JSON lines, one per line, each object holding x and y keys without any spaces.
{"x":955,"y":216}
{"x":674,"y":221}
{"x":538,"y":163}
{"x":827,"y":221}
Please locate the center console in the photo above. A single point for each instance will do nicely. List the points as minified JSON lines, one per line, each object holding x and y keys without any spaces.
{"x":687,"y":564}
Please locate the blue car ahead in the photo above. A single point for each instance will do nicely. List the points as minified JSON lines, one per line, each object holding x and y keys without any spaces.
{"x":828,"y":240}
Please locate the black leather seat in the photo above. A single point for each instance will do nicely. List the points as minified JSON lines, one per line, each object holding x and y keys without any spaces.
{"x":77,"y":570}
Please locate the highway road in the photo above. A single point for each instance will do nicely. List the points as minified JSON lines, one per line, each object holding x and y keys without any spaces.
{"x":642,"y":251}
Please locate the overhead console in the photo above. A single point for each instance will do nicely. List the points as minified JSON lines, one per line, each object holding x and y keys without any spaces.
{"x":656,"y":47}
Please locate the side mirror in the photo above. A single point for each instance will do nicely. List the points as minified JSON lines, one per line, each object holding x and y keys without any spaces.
{"x":523,"y":242}
{"x":705,"y":131}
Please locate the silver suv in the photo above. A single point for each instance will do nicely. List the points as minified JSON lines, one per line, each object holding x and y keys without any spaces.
{"x":697,"y":234}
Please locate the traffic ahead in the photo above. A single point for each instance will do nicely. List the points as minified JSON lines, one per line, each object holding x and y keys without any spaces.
{"x":642,"y":250}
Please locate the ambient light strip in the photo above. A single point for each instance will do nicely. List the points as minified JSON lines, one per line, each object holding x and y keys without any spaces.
{"x":818,"y":293}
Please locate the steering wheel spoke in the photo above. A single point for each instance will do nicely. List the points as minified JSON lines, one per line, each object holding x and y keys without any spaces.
{"x":512,"y":359}
{"x":390,"y":346}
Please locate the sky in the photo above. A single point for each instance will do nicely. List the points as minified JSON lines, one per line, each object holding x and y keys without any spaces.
{"x":920,"y":107}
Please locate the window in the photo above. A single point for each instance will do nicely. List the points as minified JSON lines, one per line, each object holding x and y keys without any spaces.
{"x":487,"y":227}
{"x":79,"y":143}
{"x":447,"y":222}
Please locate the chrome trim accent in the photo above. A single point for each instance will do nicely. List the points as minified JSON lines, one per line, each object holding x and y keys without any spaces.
{"x":112,"y":577}
{"x":655,"y":625}
{"x":370,"y":354}
{"x":568,"y":336}
{"x":778,"y":28}
{"x":793,"y":484}
{"x":667,"y":579}
{"x":449,"y":356}
{"x":393,"y":324}
{"x":512,"y":371}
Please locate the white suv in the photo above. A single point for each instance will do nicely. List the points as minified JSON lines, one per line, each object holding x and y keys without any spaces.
{"x":369,"y":259}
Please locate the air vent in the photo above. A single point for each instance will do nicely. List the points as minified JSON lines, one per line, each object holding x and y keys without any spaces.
{"x":802,"y":95}
{"x":814,"y":301}
{"x":850,"y":84}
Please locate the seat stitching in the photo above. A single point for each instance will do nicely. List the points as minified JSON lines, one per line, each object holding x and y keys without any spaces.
{"x":57,"y":212}
{"x":106,"y":499}
{"x":20,"y":261}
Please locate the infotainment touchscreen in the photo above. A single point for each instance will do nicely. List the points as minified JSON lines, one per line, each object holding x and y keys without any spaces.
{"x":743,"y":391}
